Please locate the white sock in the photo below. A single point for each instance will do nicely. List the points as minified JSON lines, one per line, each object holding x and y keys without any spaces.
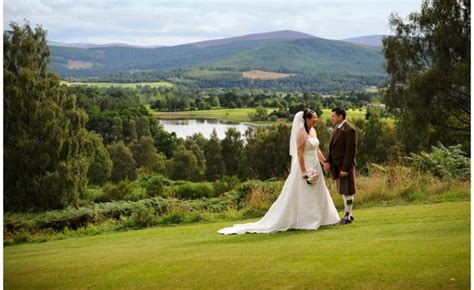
{"x":348,"y":203}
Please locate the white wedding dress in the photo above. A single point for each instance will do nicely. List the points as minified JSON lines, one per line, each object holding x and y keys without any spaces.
{"x":299,"y":205}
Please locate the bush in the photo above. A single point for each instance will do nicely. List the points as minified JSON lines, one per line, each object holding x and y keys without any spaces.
{"x":155,"y":185}
{"x":119,"y":191}
{"x":190,"y":190}
{"x":225,"y":184}
{"x":143,"y":217}
{"x":443,"y":161}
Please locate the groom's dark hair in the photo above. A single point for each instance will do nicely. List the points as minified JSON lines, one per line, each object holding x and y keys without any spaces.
{"x":340,"y":111}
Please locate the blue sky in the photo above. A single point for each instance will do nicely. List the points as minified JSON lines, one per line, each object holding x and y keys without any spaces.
{"x":178,"y":22}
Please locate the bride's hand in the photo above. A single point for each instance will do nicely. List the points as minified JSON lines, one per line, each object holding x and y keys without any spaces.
{"x":305,"y":175}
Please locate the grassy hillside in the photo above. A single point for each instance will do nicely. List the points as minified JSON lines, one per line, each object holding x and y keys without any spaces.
{"x":309,"y":56}
{"x":400,"y":247}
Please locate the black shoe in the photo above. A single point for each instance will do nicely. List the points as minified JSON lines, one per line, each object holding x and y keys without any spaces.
{"x":344,"y":221}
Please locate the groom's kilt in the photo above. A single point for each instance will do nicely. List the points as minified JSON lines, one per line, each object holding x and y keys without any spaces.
{"x":344,"y":185}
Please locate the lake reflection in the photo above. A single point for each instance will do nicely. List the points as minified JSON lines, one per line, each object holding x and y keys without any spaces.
{"x":188,"y":127}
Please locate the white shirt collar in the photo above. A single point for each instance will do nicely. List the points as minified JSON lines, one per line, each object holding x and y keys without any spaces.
{"x":340,"y":125}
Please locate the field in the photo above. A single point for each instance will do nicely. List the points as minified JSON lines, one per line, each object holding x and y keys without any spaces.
{"x":241,"y":115}
{"x":424,"y":246}
{"x":264,"y":75}
{"x":233,"y":115}
{"x":78,"y":64}
{"x":122,"y":85}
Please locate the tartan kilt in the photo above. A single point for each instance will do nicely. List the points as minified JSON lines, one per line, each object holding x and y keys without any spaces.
{"x":346,"y":185}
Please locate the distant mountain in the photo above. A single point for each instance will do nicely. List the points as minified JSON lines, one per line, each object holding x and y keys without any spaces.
{"x":369,"y":40}
{"x":92,"y":45}
{"x":284,"y":34}
{"x":280,"y":51}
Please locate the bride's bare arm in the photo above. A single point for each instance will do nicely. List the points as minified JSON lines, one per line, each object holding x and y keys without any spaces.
{"x":301,"y":159}
{"x":321,"y":157}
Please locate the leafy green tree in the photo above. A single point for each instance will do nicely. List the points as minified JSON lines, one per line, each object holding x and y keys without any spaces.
{"x":215,"y":166}
{"x":371,"y":145}
{"x":195,"y":145}
{"x":47,"y":149}
{"x":146,"y":156}
{"x":143,"y":127}
{"x":232,"y":151}
{"x":267,"y":152}
{"x":164,"y":141}
{"x":428,"y":60}
{"x":260,"y":114}
{"x":183,"y":165}
{"x":100,"y":169}
{"x":129,"y":130}
{"x":124,"y":166}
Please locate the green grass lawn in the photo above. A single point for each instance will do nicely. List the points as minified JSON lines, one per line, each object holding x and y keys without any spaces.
{"x":122,"y":85}
{"x":241,"y":115}
{"x":423,"y":246}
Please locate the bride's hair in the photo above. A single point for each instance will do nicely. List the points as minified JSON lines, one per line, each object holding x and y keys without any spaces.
{"x":307,"y":113}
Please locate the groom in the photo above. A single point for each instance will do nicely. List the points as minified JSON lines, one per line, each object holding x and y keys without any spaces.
{"x":341,"y":160}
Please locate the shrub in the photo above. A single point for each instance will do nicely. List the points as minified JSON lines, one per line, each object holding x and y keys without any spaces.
{"x":190,"y":190}
{"x":119,"y":191}
{"x":155,"y":185}
{"x":443,"y":161}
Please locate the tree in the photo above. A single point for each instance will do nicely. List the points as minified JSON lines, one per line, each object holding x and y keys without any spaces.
{"x":196,"y":144}
{"x":146,"y":156}
{"x":428,"y":60}
{"x":100,"y":170}
{"x":259,"y":115}
{"x":232,"y":151}
{"x":124,"y":166}
{"x":164,"y":141}
{"x":143,"y":127}
{"x":267,"y":152}
{"x":183,"y":165}
{"x":371,"y":145}
{"x":47,"y":149}
{"x":215,"y":166}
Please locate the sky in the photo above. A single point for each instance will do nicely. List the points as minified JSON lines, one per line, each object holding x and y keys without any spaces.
{"x":157,"y":22}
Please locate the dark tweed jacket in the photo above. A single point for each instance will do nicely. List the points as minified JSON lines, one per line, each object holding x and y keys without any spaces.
{"x":342,"y":150}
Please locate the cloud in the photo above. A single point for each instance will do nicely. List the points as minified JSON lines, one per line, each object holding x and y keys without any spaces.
{"x":177,"y":22}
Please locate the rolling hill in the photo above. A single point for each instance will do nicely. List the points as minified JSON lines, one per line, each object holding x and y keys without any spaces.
{"x":280,"y":51}
{"x":368,"y":40}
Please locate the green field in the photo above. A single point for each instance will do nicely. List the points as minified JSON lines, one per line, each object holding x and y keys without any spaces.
{"x":233,"y":115}
{"x":122,"y":85}
{"x":241,"y":115}
{"x":425,"y":246}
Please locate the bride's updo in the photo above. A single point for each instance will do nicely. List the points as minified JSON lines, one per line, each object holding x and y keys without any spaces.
{"x":307,"y":114}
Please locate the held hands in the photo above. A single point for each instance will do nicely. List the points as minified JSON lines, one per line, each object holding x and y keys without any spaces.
{"x":343,"y":174}
{"x":327,"y":167}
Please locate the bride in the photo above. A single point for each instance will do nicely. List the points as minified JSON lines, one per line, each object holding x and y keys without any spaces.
{"x":300,"y":205}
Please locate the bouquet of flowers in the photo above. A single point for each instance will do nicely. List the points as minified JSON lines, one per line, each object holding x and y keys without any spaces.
{"x":312,"y":176}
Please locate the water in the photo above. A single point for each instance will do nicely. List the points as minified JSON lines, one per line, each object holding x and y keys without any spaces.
{"x":188,"y":127}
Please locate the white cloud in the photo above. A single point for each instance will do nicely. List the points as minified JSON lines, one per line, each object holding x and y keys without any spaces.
{"x":177,"y":22}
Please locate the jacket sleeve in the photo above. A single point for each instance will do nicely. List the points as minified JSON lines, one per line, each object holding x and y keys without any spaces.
{"x":349,"y":155}
{"x":329,"y":159}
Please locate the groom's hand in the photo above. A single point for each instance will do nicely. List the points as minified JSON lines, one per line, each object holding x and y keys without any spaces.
{"x":327,"y":167}
{"x":343,"y":174}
